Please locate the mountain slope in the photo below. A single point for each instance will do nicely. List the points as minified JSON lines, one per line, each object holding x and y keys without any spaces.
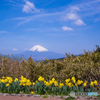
{"x":39,"y":53}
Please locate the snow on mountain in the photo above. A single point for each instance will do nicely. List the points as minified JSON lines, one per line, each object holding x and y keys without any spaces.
{"x":40,"y":53}
{"x":38,"y":48}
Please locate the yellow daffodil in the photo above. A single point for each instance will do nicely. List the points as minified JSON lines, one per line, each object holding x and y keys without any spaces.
{"x":67,"y":80}
{"x":75,"y":84}
{"x":47,"y":83}
{"x":73,"y":78}
{"x":50,"y":82}
{"x":16,"y":80}
{"x":53,"y":79}
{"x":84,"y":84}
{"x":61,"y":84}
{"x":33,"y":83}
{"x":92,"y":83}
{"x":32,"y":92}
{"x":95,"y":82}
{"x":41,"y":78}
{"x":79,"y":82}
{"x":3,"y":77}
{"x":7,"y":85}
{"x":55,"y":83}
{"x":44,"y":81}
{"x":6,"y":80}
{"x":2,"y":80}
{"x":23,"y":84}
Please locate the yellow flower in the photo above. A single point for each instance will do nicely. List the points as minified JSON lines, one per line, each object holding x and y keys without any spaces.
{"x":47,"y":83}
{"x":66,"y":84}
{"x":32,"y":92}
{"x":50,"y":82}
{"x":3,"y":77}
{"x":84,"y":84}
{"x":6,"y":80}
{"x":53,"y":79}
{"x":7,"y":85}
{"x":44,"y":81}
{"x":79,"y":82}
{"x":67,"y":80}
{"x":56,"y":83}
{"x":73,"y":78}
{"x":23,"y":84}
{"x":10,"y":81}
{"x":69,"y":84}
{"x":75,"y":84}
{"x":22,"y":77}
{"x":92,"y":83}
{"x":33,"y":83}
{"x":2,"y":80}
{"x":28,"y":83}
{"x":16,"y":80}
{"x":28,"y":80}
{"x":95,"y":82}
{"x":41,"y":78}
{"x":61,"y":84}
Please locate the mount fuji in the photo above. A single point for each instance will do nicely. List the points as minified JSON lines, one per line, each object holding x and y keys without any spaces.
{"x":40,"y":53}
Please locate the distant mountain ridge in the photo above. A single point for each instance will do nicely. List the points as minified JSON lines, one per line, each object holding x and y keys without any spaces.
{"x":40,"y":53}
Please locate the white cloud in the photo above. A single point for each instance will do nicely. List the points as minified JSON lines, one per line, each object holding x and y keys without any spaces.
{"x":30,"y":7}
{"x":79,"y":22}
{"x":71,"y":16}
{"x":15,"y":49}
{"x":65,"y":28}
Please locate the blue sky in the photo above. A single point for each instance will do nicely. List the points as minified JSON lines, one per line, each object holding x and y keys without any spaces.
{"x":58,"y":25}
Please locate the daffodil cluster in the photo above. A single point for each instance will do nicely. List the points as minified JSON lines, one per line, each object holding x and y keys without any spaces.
{"x":41,"y":86}
{"x":53,"y":81}
{"x":79,"y":82}
{"x":85,"y":83}
{"x":68,"y":83}
{"x":41,"y":78}
{"x":25,"y":81}
{"x":7,"y":80}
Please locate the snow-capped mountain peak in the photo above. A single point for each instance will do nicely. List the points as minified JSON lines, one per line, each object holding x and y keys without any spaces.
{"x":38,"y":48}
